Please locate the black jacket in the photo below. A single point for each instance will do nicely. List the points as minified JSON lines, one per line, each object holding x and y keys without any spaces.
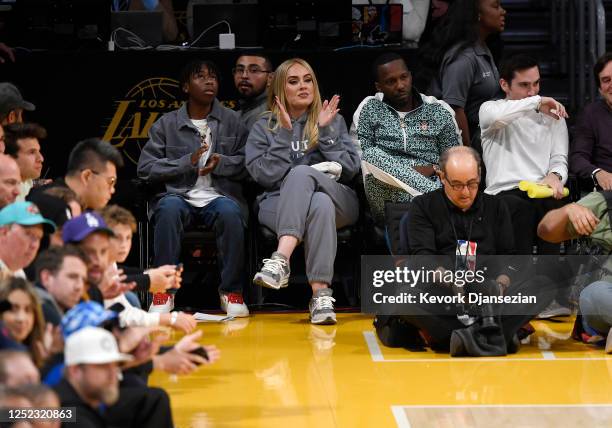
{"x":86,"y":416}
{"x":434,"y":224}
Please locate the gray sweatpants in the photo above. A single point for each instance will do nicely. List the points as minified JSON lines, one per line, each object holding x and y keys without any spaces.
{"x":311,"y":206}
{"x":596,"y":306}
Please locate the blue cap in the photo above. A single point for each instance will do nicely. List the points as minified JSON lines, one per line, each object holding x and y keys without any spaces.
{"x":81,"y":227}
{"x":24,"y":214}
{"x":85,"y":314}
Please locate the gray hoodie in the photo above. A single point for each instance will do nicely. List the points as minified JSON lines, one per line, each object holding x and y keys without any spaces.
{"x":270,"y":155}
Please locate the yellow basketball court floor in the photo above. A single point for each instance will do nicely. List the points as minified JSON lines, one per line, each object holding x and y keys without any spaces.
{"x":278,"y":370}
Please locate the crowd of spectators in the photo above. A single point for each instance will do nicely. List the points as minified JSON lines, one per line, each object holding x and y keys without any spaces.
{"x":73,"y":330}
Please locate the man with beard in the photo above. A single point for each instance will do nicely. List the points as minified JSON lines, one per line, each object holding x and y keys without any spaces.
{"x":401,"y":132}
{"x":252,"y":76}
{"x":91,"y":377}
{"x":89,"y":232}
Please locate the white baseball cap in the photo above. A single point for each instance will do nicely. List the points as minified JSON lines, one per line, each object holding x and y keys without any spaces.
{"x":92,"y":345}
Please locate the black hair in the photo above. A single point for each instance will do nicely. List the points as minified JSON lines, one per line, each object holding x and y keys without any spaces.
{"x":92,"y":153}
{"x":383,"y":59}
{"x":18,"y":131}
{"x":52,"y":259}
{"x":459,"y":27}
{"x":514,"y":63}
{"x":193,"y":68}
{"x":267,"y":60}
{"x":600,"y":65}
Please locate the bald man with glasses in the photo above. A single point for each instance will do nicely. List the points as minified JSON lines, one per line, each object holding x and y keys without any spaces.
{"x":457,"y":228}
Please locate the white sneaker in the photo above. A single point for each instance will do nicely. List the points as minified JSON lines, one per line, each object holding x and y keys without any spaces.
{"x":609,"y":342}
{"x":274,"y":273}
{"x":233,"y":305}
{"x":554,"y":310}
{"x":322,"y":307}
{"x":163,"y":303}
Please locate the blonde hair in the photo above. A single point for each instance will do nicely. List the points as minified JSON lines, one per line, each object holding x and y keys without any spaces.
{"x":277,"y":89}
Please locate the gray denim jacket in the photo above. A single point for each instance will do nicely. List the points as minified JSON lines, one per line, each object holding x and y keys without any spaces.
{"x":166,"y":158}
{"x":270,"y":155}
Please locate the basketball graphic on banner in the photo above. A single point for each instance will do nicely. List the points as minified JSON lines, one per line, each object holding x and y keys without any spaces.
{"x":135,"y":113}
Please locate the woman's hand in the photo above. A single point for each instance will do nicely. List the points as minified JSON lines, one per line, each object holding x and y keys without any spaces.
{"x":329,"y":111}
{"x":283,"y":117}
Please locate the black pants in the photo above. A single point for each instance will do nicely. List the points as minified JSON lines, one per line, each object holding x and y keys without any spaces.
{"x":526,"y":213}
{"x":439,"y":321}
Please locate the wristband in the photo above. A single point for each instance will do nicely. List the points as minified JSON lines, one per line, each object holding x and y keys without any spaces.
{"x":173,"y":318}
{"x":594,"y":176}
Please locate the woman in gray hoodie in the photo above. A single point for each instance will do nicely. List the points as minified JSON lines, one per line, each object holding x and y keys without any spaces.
{"x":301,"y":153}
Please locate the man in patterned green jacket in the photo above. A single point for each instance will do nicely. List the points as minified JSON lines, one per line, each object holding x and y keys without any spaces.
{"x":403,"y":133}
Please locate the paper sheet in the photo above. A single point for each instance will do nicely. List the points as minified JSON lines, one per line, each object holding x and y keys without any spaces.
{"x":387,"y":178}
{"x":199,"y":316}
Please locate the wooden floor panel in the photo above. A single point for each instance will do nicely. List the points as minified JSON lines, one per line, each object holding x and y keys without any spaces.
{"x":277,"y":370}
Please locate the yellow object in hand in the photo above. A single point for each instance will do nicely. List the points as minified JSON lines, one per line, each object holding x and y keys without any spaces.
{"x":535,"y":190}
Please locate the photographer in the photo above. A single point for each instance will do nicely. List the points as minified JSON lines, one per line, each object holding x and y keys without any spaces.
{"x":460,"y":225}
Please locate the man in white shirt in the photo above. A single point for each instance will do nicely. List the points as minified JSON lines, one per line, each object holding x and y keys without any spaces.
{"x":524,"y":137}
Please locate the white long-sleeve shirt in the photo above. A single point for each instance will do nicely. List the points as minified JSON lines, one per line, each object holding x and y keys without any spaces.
{"x":131,"y":316}
{"x":519,"y":143}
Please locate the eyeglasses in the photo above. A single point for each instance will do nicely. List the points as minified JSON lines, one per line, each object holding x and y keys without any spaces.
{"x":251,"y":69}
{"x":111,"y":181}
{"x":458,"y":187}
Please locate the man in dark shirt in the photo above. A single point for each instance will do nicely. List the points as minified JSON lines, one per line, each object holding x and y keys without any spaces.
{"x":458,"y":224}
{"x":591,"y":152}
{"x":91,"y":173}
{"x":91,"y":376}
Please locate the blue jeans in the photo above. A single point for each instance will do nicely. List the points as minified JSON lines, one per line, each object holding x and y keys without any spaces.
{"x":596,"y":306}
{"x":173,"y":215}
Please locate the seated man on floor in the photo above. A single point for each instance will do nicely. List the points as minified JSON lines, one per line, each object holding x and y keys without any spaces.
{"x":590,"y":218}
{"x":591,"y":150}
{"x":197,"y":154}
{"x":524,"y":137}
{"x":457,"y":226}
{"x":401,"y":132}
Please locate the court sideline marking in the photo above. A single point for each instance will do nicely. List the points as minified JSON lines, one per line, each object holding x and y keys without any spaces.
{"x":378,"y":357}
{"x":402,"y":421}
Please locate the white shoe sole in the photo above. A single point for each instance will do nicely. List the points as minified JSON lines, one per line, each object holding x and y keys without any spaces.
{"x":238,"y":315}
{"x":265,"y":281}
{"x":609,"y":342}
{"x":329,"y":320}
